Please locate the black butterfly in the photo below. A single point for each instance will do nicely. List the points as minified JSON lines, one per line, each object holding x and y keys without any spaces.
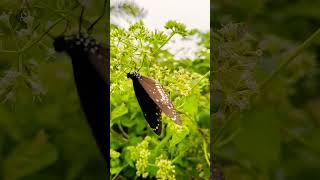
{"x":153,"y":100}
{"x":90,"y":62}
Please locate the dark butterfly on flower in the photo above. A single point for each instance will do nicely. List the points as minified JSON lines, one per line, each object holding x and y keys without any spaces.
{"x":153,"y":100}
{"x":90,"y":62}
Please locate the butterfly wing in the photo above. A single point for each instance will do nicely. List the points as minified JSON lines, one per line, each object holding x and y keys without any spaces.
{"x":151,"y":110}
{"x":159,"y":97}
{"x":93,"y":92}
{"x":100,"y":61}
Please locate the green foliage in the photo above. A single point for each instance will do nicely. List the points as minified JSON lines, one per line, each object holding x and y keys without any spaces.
{"x":43,"y":133}
{"x":180,"y":149}
{"x":265,"y":96}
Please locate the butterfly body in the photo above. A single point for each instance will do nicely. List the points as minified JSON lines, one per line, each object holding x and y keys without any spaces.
{"x":153,"y":101}
{"x":90,"y":63}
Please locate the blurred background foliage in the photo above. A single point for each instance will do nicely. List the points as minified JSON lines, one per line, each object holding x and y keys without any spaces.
{"x":43,"y":132}
{"x":136,"y":151}
{"x":270,"y":132}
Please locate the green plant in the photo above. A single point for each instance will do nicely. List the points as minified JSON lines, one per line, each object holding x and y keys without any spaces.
{"x":41,"y":121}
{"x":258,"y":130}
{"x":180,"y":152}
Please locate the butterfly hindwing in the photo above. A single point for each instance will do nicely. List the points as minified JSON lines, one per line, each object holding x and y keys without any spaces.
{"x":151,"y":111}
{"x":158,"y":95}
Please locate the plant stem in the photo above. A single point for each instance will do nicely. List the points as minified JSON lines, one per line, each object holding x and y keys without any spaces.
{"x":205,"y":152}
{"x":7,"y":51}
{"x":171,"y":35}
{"x":290,"y":58}
{"x":30,"y":44}
{"x":114,"y":177}
{"x":230,"y":138}
{"x":300,"y":140}
{"x":205,"y":75}
{"x":225,"y":125}
{"x":179,"y":156}
{"x":161,"y":144}
{"x":122,"y":131}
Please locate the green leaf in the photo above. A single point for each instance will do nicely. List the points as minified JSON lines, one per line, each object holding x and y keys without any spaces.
{"x":191,"y":105}
{"x":119,"y":111}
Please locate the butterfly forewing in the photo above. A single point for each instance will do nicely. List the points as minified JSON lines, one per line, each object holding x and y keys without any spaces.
{"x":151,"y":111}
{"x":158,"y":95}
{"x":153,"y":100}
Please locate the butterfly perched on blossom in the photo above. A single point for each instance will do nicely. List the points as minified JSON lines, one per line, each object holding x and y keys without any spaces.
{"x":90,"y":62}
{"x":153,"y":101}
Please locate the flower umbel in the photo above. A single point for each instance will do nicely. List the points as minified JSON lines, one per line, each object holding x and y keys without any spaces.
{"x":165,"y":169}
{"x":140,"y":154}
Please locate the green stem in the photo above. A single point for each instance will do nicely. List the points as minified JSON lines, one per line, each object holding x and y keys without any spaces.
{"x":221,"y":130}
{"x":229,"y":139}
{"x":205,"y":75}
{"x":153,"y":165}
{"x":205,"y":152}
{"x":290,"y":58}
{"x":30,"y":44}
{"x":119,"y":135}
{"x":164,"y":43}
{"x":20,"y":63}
{"x":122,"y":131}
{"x":238,"y":162}
{"x":161,"y":144}
{"x":114,"y":177}
{"x":56,"y":12}
{"x":179,"y":156}
{"x":7,"y":51}
{"x":300,"y":140}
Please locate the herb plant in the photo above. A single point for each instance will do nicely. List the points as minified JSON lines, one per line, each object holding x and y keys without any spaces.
{"x":266,"y":89}
{"x":181,"y":151}
{"x":43,"y":133}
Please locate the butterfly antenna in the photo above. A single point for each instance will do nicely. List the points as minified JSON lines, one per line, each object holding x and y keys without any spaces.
{"x":124,"y":69}
{"x":99,"y":18}
{"x":80,"y":18}
{"x":51,"y":36}
{"x":141,"y":65}
{"x":68,"y":22}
